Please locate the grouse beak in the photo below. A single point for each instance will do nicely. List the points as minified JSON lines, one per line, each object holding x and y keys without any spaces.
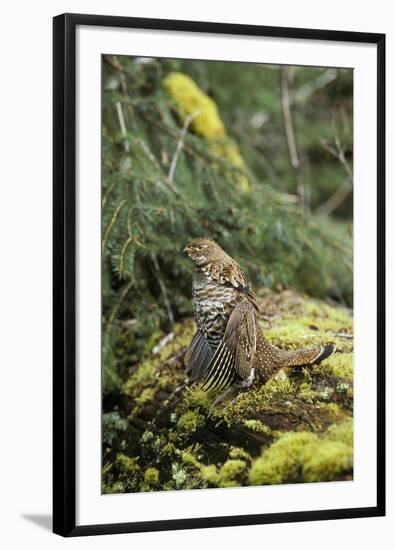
{"x":186,"y":250}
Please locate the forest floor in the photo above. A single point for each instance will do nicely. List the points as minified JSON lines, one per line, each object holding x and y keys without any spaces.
{"x":295,"y":428}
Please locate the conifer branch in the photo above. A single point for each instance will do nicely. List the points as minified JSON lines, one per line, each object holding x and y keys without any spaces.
{"x":111,"y":224}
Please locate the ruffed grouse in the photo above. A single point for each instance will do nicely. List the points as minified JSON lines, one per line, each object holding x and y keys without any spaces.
{"x":229,"y":346}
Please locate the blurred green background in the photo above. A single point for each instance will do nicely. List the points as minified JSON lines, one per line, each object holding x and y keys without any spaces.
{"x":273,"y":186}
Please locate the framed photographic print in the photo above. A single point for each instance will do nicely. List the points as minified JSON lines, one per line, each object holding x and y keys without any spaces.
{"x":218,"y":274}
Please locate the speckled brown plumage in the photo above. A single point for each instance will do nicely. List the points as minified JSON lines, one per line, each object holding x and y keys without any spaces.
{"x":229,"y":345}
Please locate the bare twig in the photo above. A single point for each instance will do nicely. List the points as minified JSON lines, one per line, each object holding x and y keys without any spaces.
{"x":122,"y":125}
{"x":111,"y":224}
{"x":308,"y":89}
{"x":118,"y":304}
{"x":180,"y":144}
{"x":343,"y":335}
{"x":113,"y":61}
{"x":339,"y":154}
{"x":289,"y":131}
{"x":337,"y":151}
{"x":336,"y":199}
{"x":163,"y":343}
{"x":290,"y":134}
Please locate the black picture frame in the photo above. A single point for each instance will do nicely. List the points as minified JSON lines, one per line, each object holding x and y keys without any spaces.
{"x":64,"y":273}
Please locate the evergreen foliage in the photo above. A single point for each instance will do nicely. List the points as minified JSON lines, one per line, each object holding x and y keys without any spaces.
{"x":164,"y":184}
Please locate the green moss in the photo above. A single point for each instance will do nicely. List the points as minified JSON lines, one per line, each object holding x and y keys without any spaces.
{"x":260,"y":399}
{"x":296,"y":427}
{"x":305,"y":457}
{"x":298,"y":333}
{"x":333,"y":412}
{"x":258,"y":426}
{"x":190,"y":421}
{"x":280,"y":463}
{"x":210,"y":475}
{"x":144,"y":375}
{"x":168,"y":449}
{"x":337,"y":318}
{"x":238,"y":452}
{"x":231,"y":473}
{"x":310,"y":324}
{"x":307,"y":393}
{"x":115,"y":488}
{"x":342,"y":432}
{"x":151,"y":477}
{"x":341,"y":365}
{"x":197,"y":397}
{"x":146,"y":395}
{"x":326,"y":460}
{"x":183,"y":334}
{"x":146,"y":437}
{"x":189,"y":459}
{"x":126,"y":463}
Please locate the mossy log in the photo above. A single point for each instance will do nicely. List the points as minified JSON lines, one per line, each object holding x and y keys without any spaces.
{"x":160,"y":434}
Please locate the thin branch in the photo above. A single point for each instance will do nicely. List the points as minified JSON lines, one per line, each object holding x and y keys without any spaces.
{"x":122,"y":125}
{"x":288,"y":124}
{"x":336,"y":150}
{"x":115,"y":309}
{"x":164,"y":180}
{"x":338,"y":153}
{"x":108,"y":192}
{"x":308,"y":89}
{"x":336,"y":199}
{"x":111,"y":224}
{"x":128,"y":241}
{"x":114,"y":62}
{"x":290,"y":134}
{"x":180,"y":144}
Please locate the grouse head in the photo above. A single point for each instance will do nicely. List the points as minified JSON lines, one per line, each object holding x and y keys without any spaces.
{"x":203,"y":251}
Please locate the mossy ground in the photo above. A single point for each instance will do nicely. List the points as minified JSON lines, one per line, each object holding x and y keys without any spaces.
{"x":159,"y":435}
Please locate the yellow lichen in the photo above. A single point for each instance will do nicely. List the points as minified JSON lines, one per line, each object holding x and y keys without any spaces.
{"x":206,"y":120}
{"x":191,"y":99}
